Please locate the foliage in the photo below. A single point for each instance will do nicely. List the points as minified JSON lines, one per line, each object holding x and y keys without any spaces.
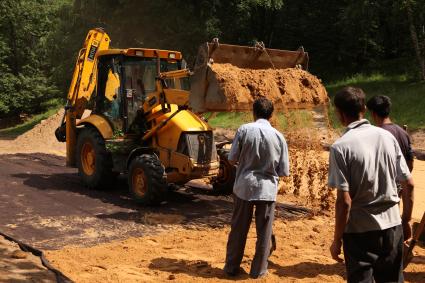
{"x":342,"y":37}
{"x":53,"y":105}
{"x":39,"y":39}
{"x":416,"y":18}
{"x":405,"y":94}
{"x":25,"y":81}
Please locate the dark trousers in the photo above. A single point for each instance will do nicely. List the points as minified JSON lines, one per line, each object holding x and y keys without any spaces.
{"x":374,"y":255}
{"x":241,"y":221}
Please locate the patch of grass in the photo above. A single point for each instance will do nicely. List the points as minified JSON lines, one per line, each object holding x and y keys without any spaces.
{"x":232,"y":120}
{"x":295,"y":118}
{"x":52,"y":105}
{"x":408,"y":97}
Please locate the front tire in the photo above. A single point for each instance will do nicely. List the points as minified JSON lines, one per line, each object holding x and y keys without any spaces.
{"x":223,"y":183}
{"x":147,"y":180}
{"x":94,"y":162}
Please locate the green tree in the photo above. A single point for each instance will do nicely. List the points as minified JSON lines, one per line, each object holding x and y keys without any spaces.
{"x":416,"y":21}
{"x":25,"y":82}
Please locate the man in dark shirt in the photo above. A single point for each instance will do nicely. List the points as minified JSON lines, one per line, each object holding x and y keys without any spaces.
{"x":380,"y":107}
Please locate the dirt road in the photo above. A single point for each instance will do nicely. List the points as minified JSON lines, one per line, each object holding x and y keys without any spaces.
{"x":48,"y":207}
{"x":183,"y":240}
{"x":102,"y":236}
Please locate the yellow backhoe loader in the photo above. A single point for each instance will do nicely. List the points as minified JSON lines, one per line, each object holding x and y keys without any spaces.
{"x":140,"y":122}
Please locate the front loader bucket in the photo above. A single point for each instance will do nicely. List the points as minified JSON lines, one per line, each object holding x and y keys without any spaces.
{"x":229,"y":77}
{"x":246,"y":57}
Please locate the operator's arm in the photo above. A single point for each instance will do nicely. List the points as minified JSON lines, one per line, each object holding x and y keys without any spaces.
{"x":410,"y":164}
{"x":235,"y":150}
{"x":283,"y":169}
{"x":407,"y":198}
{"x":406,"y":181}
{"x":342,"y":212}
{"x":411,"y":155}
{"x":337,"y":179}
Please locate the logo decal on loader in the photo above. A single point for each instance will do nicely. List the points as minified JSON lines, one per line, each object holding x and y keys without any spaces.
{"x":93,"y":50}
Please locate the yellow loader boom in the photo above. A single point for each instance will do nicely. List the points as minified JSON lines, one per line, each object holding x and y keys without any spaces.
{"x":84,"y":77}
{"x":81,"y":89}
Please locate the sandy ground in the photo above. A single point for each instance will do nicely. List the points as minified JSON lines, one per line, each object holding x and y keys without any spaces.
{"x":193,"y":254}
{"x":188,"y":255}
{"x":18,"y":266}
{"x":418,"y":140}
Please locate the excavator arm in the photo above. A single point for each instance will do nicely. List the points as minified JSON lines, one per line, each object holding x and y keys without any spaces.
{"x":81,"y":89}
{"x":84,"y":77}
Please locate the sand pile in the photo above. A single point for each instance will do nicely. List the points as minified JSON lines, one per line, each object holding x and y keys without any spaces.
{"x":41,"y":138}
{"x":233,"y":88}
{"x":308,"y":180}
{"x":308,"y":160}
{"x":307,"y":184}
{"x":309,"y":170}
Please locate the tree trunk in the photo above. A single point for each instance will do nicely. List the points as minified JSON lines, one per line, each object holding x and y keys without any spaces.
{"x":15,"y":61}
{"x":420,"y":52}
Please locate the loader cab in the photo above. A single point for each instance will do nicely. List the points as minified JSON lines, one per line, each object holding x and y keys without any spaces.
{"x":126,"y":79}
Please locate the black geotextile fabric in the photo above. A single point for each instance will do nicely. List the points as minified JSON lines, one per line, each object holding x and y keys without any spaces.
{"x":60,"y":277}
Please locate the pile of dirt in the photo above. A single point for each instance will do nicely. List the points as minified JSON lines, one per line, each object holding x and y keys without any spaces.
{"x":233,"y":88}
{"x":308,"y":180}
{"x":41,"y":138}
{"x":307,"y":184}
{"x":309,"y":170}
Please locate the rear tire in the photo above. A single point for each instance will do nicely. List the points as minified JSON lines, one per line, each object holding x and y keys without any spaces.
{"x":94,"y":162}
{"x":223,"y":183}
{"x":147,"y":180}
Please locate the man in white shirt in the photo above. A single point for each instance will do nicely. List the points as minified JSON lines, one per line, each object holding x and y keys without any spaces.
{"x":364,"y":165}
{"x":262,"y":155}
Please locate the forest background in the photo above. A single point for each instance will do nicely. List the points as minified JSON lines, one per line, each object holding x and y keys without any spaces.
{"x":346,"y":39}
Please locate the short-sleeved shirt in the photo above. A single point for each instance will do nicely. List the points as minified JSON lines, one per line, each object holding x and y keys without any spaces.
{"x":366,"y":161}
{"x":402,"y":138}
{"x":262,"y":154}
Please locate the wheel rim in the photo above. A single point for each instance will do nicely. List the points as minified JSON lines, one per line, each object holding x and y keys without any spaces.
{"x":88,"y":159}
{"x":139,"y":182}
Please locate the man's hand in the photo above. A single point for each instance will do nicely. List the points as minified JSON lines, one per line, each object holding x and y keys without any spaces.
{"x":335,"y":250}
{"x":407,"y":198}
{"x":407,"y":230}
{"x":342,"y":211}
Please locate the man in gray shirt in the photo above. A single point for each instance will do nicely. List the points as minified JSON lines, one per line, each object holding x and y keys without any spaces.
{"x":364,"y":165}
{"x":262,"y":156}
